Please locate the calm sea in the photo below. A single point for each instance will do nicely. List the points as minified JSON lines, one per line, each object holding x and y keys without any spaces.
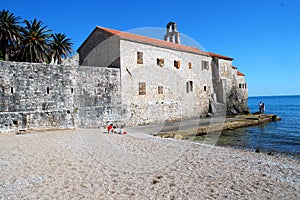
{"x":278,"y":137}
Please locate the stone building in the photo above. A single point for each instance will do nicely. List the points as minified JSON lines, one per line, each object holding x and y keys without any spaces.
{"x":163,"y":79}
{"x":124,"y":78}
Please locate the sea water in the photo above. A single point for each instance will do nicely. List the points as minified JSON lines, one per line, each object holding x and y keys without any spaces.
{"x":277,"y":137}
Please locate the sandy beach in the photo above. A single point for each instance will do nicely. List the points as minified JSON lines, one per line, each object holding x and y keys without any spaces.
{"x":89,"y":164}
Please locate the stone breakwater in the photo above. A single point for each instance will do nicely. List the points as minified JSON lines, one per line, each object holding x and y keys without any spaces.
{"x":207,"y":126}
{"x":89,"y":164}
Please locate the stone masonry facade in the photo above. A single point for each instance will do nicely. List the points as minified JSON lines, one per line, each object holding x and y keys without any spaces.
{"x":163,"y":80}
{"x":42,"y":96}
{"x":121,"y":78}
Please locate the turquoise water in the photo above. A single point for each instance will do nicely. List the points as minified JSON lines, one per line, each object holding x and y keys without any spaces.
{"x":277,"y":137}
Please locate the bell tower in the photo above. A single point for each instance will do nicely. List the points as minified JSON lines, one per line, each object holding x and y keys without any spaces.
{"x":172,"y":35}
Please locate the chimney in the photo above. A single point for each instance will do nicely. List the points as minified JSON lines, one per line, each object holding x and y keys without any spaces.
{"x":172,"y":35}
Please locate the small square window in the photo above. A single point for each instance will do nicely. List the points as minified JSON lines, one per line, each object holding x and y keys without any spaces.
{"x":140,"y":59}
{"x":142,"y":88}
{"x":177,"y":64}
{"x":160,"y":62}
{"x":160,"y":90}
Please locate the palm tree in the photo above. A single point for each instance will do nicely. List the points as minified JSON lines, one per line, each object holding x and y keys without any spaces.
{"x":60,"y":46}
{"x":9,"y":31}
{"x":35,"y":44}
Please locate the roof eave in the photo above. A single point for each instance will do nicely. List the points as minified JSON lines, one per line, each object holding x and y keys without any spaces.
{"x":162,"y":46}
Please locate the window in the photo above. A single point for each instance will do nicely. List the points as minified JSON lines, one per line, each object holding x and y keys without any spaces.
{"x":245,"y":85}
{"x":12,"y":90}
{"x":48,"y":90}
{"x":189,"y":86}
{"x":160,"y":90}
{"x":72,"y":90}
{"x":205,"y":65}
{"x":190,"y":65}
{"x":204,"y":88}
{"x":142,"y":88}
{"x":140,"y":57}
{"x":160,"y":62}
{"x":177,"y":64}
{"x":240,"y":85}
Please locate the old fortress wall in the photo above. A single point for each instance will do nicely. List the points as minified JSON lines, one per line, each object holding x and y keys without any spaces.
{"x":121,"y":78}
{"x":42,"y":96}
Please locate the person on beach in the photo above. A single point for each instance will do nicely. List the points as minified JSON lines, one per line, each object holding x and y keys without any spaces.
{"x":121,"y":130}
{"x":110,"y":128}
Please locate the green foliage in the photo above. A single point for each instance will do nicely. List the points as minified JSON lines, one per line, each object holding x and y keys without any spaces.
{"x":31,"y":43}
{"x":35,"y":43}
{"x":9,"y":31}
{"x":60,"y":46}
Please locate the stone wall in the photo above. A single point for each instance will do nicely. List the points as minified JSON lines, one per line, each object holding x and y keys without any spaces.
{"x":227,"y":87}
{"x":236,"y":94}
{"x":42,"y":96}
{"x":97,"y":99}
{"x":100,"y":49}
{"x":174,"y":103}
{"x":35,"y":96}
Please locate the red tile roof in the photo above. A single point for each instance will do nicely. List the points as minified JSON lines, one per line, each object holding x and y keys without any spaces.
{"x":161,"y":43}
{"x":219,"y":56}
{"x":240,"y":73}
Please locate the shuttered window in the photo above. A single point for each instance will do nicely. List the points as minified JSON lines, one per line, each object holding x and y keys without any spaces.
{"x":142,"y":88}
{"x":205,"y":65}
{"x":189,"y":86}
{"x":177,"y":64}
{"x":160,"y":90}
{"x":140,"y":59}
{"x":160,"y":62}
{"x":190,"y":65}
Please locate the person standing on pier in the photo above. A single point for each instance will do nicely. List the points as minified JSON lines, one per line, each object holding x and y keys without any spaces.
{"x":260,"y":107}
{"x":263,"y":108}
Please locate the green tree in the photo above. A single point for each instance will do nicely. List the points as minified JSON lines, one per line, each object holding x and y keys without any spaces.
{"x":35,"y":43}
{"x":60,"y":47}
{"x":9,"y":31}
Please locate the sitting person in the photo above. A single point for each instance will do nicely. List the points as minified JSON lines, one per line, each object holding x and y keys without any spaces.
{"x":121,"y":131}
{"x":110,"y":128}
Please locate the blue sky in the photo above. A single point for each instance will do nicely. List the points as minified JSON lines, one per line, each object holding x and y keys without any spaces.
{"x":263,"y":36}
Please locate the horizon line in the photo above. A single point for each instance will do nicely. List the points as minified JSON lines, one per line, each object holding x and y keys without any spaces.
{"x":274,"y":95}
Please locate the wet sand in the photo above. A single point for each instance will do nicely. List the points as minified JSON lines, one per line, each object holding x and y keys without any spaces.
{"x":89,"y":164}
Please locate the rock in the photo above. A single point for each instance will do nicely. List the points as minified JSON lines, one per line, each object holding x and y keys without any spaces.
{"x":178,"y":137}
{"x":270,"y":153}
